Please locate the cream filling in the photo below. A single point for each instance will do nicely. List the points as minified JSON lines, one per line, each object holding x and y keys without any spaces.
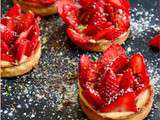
{"x":142,"y":99}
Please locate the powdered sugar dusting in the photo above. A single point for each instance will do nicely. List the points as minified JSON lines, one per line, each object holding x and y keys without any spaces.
{"x":143,"y":21}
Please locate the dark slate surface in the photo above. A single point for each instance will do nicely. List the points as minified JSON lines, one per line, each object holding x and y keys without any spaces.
{"x":49,"y":92}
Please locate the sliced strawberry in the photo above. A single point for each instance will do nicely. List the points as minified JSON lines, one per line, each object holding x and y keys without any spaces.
{"x":4,"y":47}
{"x":93,"y":97}
{"x":92,"y":72}
{"x":78,"y":38}
{"x":127,"y":79}
{"x":124,"y":103}
{"x":68,"y":10}
{"x":33,"y":32}
{"x":116,"y":3}
{"x":109,"y":33}
{"x":111,"y":54}
{"x":6,"y":34}
{"x":98,"y":17}
{"x":108,"y":86}
{"x":31,"y":46}
{"x":138,"y":87}
{"x":25,"y":22}
{"x":127,"y":6}
{"x":137,"y":63}
{"x":7,"y":58}
{"x":9,"y":22}
{"x":21,"y":50}
{"x":84,"y":65}
{"x":155,"y":42}
{"x":119,"y":63}
{"x":90,"y":30}
{"x":15,"y":11}
{"x":138,"y":66}
{"x":86,"y":3}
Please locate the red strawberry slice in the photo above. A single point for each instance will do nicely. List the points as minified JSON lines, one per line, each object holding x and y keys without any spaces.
{"x":6,"y":57}
{"x":68,"y":10}
{"x":116,"y":3}
{"x":9,"y":22}
{"x":119,"y":63}
{"x":86,"y":3}
{"x":31,"y":46}
{"x":15,"y":11}
{"x":92,"y":72}
{"x":90,"y":30}
{"x":4,"y":47}
{"x":84,"y":66}
{"x":137,"y":63}
{"x":25,"y":22}
{"x":138,"y":87}
{"x":127,"y":6}
{"x":127,"y":79}
{"x":78,"y":38}
{"x":6,"y":34}
{"x":138,"y":66}
{"x":93,"y":97}
{"x":21,"y":50}
{"x":109,"y":33}
{"x":108,"y":86}
{"x":109,"y":9}
{"x":155,"y":42}
{"x":111,"y":54}
{"x":124,"y":103}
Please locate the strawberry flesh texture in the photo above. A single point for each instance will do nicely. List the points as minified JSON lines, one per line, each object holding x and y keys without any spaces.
{"x":68,"y":10}
{"x":9,"y":23}
{"x":90,"y":30}
{"x":78,"y":38}
{"x":21,"y":50}
{"x":119,"y":64}
{"x":84,"y":66}
{"x":127,"y":79}
{"x":13,"y":12}
{"x":124,"y":103}
{"x":155,"y":42}
{"x":7,"y":58}
{"x":25,"y":22}
{"x":111,"y":54}
{"x":16,"y":21}
{"x":109,"y":33}
{"x":108,"y":86}
{"x":4,"y":47}
{"x":93,"y":97}
{"x":86,"y":3}
{"x":139,"y":69}
{"x":7,"y":35}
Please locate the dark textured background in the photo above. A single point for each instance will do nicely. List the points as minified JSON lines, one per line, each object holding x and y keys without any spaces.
{"x":49,"y":92}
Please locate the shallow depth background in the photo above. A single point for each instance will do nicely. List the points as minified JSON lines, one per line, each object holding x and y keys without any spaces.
{"x":49,"y":92}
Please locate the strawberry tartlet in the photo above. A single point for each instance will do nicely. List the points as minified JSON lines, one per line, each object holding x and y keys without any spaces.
{"x":39,"y":7}
{"x":96,"y":24}
{"x":115,"y":87}
{"x":20,"y":42}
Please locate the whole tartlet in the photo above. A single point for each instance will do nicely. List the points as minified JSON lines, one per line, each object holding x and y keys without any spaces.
{"x":38,"y":7}
{"x":115,"y":87}
{"x":20,"y":42}
{"x":95,"y":25}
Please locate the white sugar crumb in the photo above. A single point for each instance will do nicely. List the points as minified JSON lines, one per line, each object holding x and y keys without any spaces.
{"x":129,"y":49}
{"x":143,"y":21}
